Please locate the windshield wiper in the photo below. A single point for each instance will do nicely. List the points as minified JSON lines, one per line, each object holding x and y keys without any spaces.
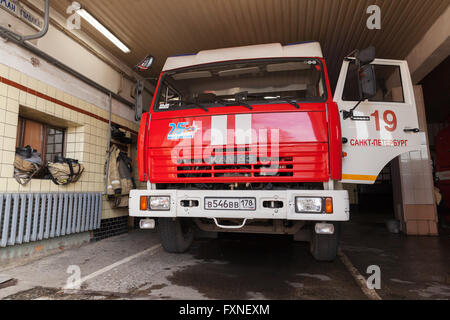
{"x":289,"y":100}
{"x":245,"y":104}
{"x":241,"y":97}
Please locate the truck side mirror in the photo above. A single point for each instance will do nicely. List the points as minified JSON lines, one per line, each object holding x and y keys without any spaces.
{"x":145,"y":64}
{"x":368,"y":82}
{"x":366,"y":56}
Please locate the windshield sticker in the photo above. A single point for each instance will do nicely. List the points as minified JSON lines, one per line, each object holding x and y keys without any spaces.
{"x":163,"y":106}
{"x":182,"y":130}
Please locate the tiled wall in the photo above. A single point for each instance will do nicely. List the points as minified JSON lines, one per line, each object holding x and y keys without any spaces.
{"x":413,"y":183}
{"x":86,"y":134}
{"x":110,"y":228}
{"x":416,"y":177}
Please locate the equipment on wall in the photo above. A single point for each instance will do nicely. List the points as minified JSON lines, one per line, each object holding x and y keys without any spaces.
{"x":64,"y":171}
{"x":119,"y":135}
{"x":27,"y":164}
{"x":119,"y":180}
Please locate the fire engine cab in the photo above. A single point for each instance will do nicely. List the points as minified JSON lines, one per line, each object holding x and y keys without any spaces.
{"x":250,"y":139}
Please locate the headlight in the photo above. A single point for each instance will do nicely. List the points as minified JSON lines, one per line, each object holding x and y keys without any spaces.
{"x":159,"y":203}
{"x":309,"y":205}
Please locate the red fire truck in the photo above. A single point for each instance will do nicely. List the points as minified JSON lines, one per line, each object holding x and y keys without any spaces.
{"x":250,"y":139}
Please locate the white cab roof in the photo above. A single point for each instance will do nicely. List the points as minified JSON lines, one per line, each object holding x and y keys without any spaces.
{"x":261,"y":51}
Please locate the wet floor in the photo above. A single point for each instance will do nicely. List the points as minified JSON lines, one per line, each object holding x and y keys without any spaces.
{"x":241,"y":267}
{"x":263,"y":267}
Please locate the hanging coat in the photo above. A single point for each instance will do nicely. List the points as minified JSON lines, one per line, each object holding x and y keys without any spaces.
{"x":114,"y":186}
{"x":124,"y":167}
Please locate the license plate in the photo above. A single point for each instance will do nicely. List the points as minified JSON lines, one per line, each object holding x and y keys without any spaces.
{"x":230,"y":204}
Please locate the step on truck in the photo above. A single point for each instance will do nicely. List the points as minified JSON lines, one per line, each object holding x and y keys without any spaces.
{"x":250,"y":139}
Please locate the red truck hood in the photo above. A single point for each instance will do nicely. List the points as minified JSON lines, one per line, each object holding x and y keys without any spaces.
{"x":246,"y":146}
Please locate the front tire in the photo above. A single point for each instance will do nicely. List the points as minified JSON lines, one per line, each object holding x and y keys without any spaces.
{"x":324,"y":247}
{"x":176,"y":235}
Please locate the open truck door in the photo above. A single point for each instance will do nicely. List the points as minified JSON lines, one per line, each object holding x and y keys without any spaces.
{"x":378,"y":129}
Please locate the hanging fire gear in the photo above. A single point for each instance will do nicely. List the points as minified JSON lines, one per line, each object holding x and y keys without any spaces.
{"x":64,"y":171}
{"x":27,"y":164}
{"x":119,"y":177}
{"x":114,"y":185}
{"x":119,"y":135}
{"x":125,"y":171}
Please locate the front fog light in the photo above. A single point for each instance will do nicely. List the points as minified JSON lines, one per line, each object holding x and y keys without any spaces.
{"x":309,"y":205}
{"x":324,"y":228}
{"x":159,"y":203}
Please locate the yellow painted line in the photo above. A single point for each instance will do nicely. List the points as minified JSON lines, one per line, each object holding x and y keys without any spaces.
{"x":359,"y":177}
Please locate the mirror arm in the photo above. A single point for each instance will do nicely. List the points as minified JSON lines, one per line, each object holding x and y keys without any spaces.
{"x":349,"y":114}
{"x":354,"y":53}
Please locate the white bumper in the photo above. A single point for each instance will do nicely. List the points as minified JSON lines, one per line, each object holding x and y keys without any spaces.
{"x":341,"y":208}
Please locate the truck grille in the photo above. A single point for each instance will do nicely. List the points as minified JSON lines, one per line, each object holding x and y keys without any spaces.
{"x":305,"y":162}
{"x":281,"y":167}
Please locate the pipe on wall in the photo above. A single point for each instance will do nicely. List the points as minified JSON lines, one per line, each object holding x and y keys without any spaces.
{"x":21,"y":41}
{"x":8,"y":33}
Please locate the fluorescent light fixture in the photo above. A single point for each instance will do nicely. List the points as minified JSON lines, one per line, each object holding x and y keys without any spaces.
{"x":97,"y":25}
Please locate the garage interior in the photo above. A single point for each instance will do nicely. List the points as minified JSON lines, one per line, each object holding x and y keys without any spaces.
{"x":64,"y":92}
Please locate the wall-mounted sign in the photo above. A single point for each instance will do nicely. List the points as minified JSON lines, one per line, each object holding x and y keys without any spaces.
{"x":18,"y":10}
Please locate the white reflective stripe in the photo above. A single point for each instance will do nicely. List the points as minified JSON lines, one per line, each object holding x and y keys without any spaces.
{"x":243,"y":129}
{"x":219,"y":130}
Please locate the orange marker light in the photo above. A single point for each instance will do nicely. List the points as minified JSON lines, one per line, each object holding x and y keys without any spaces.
{"x":144,"y":204}
{"x":329,"y":205}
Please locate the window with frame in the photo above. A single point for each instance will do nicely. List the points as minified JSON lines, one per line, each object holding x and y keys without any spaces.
{"x":388,"y":81}
{"x":48,"y":140}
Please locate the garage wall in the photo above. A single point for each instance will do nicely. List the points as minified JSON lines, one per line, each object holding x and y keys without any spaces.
{"x":71,"y":53}
{"x":32,"y":87}
{"x":87,"y":131}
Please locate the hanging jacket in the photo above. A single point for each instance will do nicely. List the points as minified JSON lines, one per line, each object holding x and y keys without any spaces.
{"x":124,"y":166}
{"x":114,"y":185}
{"x":119,"y":173}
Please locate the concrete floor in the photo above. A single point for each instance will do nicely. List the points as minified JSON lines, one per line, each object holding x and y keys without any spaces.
{"x":241,"y":267}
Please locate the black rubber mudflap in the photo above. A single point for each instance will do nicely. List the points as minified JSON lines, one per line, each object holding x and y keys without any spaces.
{"x":324,"y":247}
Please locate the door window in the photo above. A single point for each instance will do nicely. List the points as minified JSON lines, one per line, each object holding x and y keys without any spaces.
{"x":389,"y":84}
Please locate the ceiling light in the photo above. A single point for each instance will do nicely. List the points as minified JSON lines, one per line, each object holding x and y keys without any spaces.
{"x":97,"y":25}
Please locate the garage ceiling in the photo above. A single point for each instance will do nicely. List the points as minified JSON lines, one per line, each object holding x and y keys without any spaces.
{"x":168,"y":27}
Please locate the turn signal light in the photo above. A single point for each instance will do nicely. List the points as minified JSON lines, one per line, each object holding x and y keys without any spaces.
{"x":329,"y":205}
{"x":144,"y":203}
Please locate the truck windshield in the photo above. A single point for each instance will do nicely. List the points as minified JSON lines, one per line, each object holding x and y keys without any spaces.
{"x":243,"y":84}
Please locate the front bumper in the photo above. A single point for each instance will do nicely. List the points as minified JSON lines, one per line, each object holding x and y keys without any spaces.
{"x":341,"y":207}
